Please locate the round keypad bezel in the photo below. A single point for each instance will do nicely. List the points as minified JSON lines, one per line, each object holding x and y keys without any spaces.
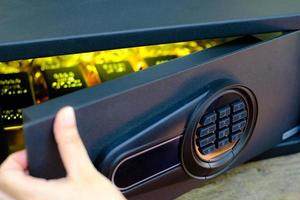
{"x":192,"y":163}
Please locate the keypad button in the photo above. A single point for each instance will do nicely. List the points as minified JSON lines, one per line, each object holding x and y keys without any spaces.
{"x":224,"y":123}
{"x":209,"y":119}
{"x":223,"y":133}
{"x":236,"y":136}
{"x":222,"y":142}
{"x":224,"y":111}
{"x":207,"y":150}
{"x":238,"y":126}
{"x":238,"y":105}
{"x":208,"y":140}
{"x":203,"y":131}
{"x":239,"y":116}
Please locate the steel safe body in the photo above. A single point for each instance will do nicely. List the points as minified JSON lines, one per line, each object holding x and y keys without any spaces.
{"x":135,"y":114}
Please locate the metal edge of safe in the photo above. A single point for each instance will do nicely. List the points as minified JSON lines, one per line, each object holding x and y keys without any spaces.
{"x":88,"y":27}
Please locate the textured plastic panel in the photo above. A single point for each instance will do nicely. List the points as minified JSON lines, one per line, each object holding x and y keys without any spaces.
{"x":147,"y":164}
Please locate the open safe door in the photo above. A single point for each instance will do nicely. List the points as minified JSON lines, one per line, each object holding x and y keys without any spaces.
{"x":165,"y":130}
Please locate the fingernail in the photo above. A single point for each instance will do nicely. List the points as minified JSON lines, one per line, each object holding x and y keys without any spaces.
{"x":68,"y":116}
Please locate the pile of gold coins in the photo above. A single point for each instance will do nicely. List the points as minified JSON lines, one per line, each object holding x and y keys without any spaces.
{"x":55,"y":76}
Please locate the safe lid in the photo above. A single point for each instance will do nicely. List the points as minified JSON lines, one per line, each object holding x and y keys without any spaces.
{"x":43,"y":28}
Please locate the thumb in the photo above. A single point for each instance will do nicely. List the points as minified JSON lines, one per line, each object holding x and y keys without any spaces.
{"x":72,"y":151}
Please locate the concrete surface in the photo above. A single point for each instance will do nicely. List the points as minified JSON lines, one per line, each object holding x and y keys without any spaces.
{"x":272,"y":179}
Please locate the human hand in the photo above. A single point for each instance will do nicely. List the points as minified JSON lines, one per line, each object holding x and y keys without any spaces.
{"x":82,"y":182}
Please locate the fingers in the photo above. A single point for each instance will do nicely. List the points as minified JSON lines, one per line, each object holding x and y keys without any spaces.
{"x":16,"y":162}
{"x":4,"y":196}
{"x":71,"y":148}
{"x":14,"y":179}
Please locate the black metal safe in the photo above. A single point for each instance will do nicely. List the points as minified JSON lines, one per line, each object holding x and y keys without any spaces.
{"x":161,"y":131}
